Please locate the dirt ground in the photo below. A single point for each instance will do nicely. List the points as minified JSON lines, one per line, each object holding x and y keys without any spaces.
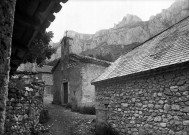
{"x":64,"y":122}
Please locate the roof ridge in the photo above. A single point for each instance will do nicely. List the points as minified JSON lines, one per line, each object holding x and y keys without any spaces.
{"x":92,"y":58}
{"x":160,"y":32}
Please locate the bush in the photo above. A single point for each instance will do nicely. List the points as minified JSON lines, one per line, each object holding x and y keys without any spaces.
{"x":84,"y":110}
{"x":68,"y":106}
{"x":104,"y":129}
{"x":87,"y":110}
{"x":44,"y":116}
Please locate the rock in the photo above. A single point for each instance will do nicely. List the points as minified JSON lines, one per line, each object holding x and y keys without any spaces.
{"x":181,"y":82}
{"x":175,"y":107}
{"x":119,"y":109}
{"x":174,"y":88}
{"x":168,"y":92}
{"x":179,"y":133}
{"x":186,"y":109}
{"x":124,"y":104}
{"x":150,"y":105}
{"x":158,"y":118}
{"x":159,"y":94}
{"x":186,"y":122}
{"x":161,"y":102}
{"x":183,"y":88}
{"x":187,"y":103}
{"x":186,"y":117}
{"x":163,"y":124}
{"x":166,"y":107}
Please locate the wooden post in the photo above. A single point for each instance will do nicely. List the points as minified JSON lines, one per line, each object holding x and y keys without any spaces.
{"x":7,"y":9}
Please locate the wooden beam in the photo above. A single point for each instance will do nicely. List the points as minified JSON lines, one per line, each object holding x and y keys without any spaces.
{"x":27,"y":21}
{"x":16,"y":62}
{"x":51,"y":17}
{"x":57,"y":7}
{"x":45,"y":14}
{"x":63,"y":1}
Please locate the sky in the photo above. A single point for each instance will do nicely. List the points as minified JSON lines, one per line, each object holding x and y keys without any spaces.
{"x":90,"y":16}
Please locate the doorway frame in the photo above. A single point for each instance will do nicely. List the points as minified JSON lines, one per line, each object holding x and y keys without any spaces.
{"x":63,"y":92}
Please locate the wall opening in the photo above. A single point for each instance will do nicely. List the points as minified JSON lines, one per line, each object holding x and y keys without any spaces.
{"x":65,"y":88}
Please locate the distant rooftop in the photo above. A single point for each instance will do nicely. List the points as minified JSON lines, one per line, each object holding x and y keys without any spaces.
{"x":33,"y":68}
{"x":85,"y":59}
{"x":44,"y":69}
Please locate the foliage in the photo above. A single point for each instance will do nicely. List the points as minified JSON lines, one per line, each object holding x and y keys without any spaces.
{"x":104,"y":129}
{"x":83,"y":110}
{"x":40,"y":49}
{"x":68,"y":106}
{"x":53,"y":63}
{"x":44,"y":116}
{"x":87,"y":110}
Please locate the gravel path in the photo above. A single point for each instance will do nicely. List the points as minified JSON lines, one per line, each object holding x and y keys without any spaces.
{"x":64,"y":122}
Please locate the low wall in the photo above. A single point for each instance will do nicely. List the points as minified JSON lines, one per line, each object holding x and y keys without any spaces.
{"x":154,"y":105}
{"x":24,"y":104}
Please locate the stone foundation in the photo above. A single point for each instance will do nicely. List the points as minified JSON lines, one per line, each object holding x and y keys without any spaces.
{"x":24,"y":104}
{"x":154,"y":104}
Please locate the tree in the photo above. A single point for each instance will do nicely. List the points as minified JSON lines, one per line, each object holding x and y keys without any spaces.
{"x":40,"y":49}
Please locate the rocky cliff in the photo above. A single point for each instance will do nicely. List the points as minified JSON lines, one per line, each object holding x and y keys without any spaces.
{"x":128,"y":33}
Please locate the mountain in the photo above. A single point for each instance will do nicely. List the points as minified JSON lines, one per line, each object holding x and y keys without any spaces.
{"x":127,"y":34}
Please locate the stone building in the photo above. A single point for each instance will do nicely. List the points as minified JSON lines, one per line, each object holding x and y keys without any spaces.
{"x":146,"y":91}
{"x":44,"y":73}
{"x":72,"y":77}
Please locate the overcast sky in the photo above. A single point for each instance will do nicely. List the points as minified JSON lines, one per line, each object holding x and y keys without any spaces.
{"x":89,"y":16}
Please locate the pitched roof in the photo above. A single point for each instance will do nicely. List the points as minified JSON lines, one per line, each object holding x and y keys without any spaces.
{"x":44,"y":69}
{"x":31,"y":17}
{"x":166,"y":48}
{"x":85,"y":59}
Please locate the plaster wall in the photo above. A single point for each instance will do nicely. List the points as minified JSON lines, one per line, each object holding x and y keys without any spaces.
{"x":89,"y":72}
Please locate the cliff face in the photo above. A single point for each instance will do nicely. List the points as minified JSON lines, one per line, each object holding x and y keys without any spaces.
{"x":127,"y":34}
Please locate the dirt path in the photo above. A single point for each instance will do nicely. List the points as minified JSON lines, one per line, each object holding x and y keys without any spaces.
{"x":64,"y":122}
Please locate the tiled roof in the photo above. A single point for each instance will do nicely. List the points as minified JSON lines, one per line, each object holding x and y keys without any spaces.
{"x":166,"y":48}
{"x":44,"y":69}
{"x":85,"y":59}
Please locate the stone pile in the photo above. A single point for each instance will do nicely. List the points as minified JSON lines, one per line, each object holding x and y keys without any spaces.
{"x":23,"y":107}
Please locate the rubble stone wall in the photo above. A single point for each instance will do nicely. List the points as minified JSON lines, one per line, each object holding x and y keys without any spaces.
{"x":154,"y":104}
{"x":7,"y":8}
{"x":24,"y":104}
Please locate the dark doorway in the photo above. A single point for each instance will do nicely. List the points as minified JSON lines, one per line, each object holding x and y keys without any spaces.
{"x":65,"y":87}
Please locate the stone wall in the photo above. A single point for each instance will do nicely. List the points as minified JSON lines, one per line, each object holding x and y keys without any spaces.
{"x":57,"y":82}
{"x":7,"y":8}
{"x":154,"y":104}
{"x":24,"y":104}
